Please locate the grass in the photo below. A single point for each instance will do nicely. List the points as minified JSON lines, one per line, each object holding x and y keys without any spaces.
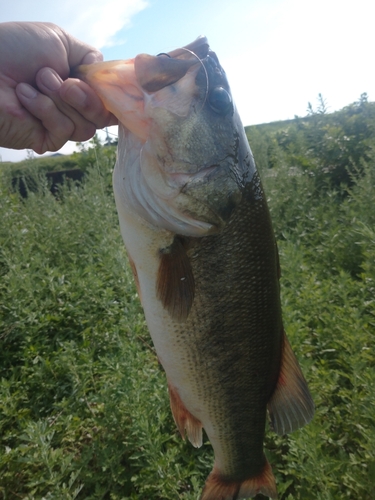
{"x":84,"y":410}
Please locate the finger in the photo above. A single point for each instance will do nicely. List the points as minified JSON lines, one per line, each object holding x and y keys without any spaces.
{"x":57,"y":127}
{"x":85,"y":100}
{"x":19,"y":129}
{"x":49,"y":83}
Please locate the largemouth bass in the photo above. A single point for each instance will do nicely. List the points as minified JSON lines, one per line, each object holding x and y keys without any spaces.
{"x":196,"y":226}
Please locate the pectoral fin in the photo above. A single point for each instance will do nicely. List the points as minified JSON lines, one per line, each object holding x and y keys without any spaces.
{"x":175,"y":280}
{"x":291,"y":405}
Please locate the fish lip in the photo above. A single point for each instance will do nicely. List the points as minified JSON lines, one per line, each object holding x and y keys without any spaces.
{"x":199,"y":47}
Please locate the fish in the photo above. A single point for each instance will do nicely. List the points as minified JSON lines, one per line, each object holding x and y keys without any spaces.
{"x":194,"y":219}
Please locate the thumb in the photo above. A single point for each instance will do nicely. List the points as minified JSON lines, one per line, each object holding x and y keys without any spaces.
{"x":81,"y":53}
{"x":92,"y":57}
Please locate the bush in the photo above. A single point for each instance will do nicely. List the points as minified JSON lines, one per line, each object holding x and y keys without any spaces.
{"x":84,"y":410}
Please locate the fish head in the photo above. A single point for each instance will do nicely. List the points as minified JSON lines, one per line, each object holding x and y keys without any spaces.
{"x":183,"y":157}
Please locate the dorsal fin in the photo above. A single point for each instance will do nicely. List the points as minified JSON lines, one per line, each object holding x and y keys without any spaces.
{"x":291,"y":405}
{"x":175,"y":280}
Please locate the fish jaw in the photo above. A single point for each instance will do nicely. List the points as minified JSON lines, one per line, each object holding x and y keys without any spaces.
{"x":125,"y":86}
{"x":116,"y":84}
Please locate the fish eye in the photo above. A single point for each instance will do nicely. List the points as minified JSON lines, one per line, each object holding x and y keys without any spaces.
{"x":220,"y":100}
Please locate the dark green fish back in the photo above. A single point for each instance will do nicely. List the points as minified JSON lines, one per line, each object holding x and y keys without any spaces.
{"x":234,"y":327}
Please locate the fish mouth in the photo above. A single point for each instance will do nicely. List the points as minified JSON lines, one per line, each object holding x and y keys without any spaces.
{"x":123,"y":85}
{"x":116,"y":84}
{"x":156,"y":72}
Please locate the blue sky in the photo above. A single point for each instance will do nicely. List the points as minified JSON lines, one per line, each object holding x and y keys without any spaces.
{"x":278,"y":54}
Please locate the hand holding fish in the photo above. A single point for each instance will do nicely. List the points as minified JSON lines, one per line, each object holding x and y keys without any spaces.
{"x":40,"y":107}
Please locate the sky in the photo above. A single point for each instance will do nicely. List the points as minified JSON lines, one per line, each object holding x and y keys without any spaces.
{"x":278,"y":54}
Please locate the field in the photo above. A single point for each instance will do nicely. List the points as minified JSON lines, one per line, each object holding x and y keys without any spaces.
{"x":84,"y":411}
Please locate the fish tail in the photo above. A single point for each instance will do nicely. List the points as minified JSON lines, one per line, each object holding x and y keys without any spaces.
{"x":219,"y":488}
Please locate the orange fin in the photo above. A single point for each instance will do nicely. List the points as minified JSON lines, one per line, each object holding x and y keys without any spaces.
{"x":218,"y":488}
{"x":175,"y":280}
{"x":185,"y":421}
{"x":291,"y":405}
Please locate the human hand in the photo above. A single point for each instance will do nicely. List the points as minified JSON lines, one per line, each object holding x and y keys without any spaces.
{"x":40,"y":107}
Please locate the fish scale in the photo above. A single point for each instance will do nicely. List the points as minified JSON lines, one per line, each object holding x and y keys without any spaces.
{"x":239,"y":330}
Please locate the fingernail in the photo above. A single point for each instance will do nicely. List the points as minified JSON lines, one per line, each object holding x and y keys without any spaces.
{"x":92,"y":57}
{"x":75,"y":96}
{"x":27,"y":91}
{"x":50,"y":79}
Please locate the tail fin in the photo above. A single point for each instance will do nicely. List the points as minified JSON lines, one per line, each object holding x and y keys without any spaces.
{"x":218,"y":488}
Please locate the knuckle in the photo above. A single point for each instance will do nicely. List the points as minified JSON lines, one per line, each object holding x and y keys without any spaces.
{"x":83,"y":133}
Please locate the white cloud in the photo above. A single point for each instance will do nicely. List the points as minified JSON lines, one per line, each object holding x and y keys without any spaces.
{"x":92,"y":21}
{"x":99,"y":22}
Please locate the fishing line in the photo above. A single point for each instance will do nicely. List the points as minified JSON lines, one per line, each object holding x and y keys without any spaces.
{"x":205,"y":72}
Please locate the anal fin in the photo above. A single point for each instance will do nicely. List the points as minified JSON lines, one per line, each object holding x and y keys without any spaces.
{"x":291,"y":405}
{"x":218,"y":487}
{"x":185,"y":421}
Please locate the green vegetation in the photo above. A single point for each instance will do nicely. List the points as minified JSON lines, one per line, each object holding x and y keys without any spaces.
{"x":32,"y":171}
{"x":330,"y":147}
{"x":84,"y":410}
